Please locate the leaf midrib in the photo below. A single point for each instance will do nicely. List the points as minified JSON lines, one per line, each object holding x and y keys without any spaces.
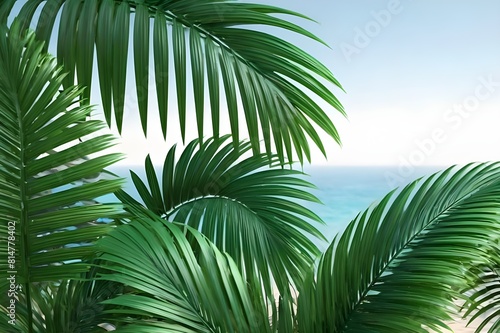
{"x":175,"y":209}
{"x":395,"y":256}
{"x":207,"y":34}
{"x":172,"y":15}
{"x":24,"y":221}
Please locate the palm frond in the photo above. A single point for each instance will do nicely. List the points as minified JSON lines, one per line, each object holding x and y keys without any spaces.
{"x":67,"y":306}
{"x":233,"y":51}
{"x":247,"y":209}
{"x":173,"y":288}
{"x":483,"y":304}
{"x":76,"y":305}
{"x":49,"y":222}
{"x":400,"y":264}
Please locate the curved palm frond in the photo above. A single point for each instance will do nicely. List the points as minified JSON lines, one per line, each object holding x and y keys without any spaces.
{"x":175,"y":289}
{"x":483,"y":304}
{"x":400,"y":264}
{"x":247,"y":210}
{"x":49,"y":223}
{"x":73,"y":305}
{"x":217,"y":42}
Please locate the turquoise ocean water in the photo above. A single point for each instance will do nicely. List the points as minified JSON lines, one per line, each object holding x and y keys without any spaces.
{"x":344,"y":191}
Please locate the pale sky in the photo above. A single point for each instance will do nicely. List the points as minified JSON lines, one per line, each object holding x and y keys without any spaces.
{"x":411,"y":70}
{"x":422,"y":81}
{"x":409,"y":74}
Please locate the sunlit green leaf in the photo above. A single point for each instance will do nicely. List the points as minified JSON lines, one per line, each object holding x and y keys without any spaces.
{"x":399,"y":266}
{"x":248,"y":210}
{"x":276,"y":85}
{"x":49,"y":218}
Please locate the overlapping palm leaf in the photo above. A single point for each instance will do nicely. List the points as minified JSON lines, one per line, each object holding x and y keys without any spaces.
{"x":400,"y":263}
{"x":175,"y":289}
{"x":483,"y":304}
{"x":228,"y":48}
{"x":49,"y":223}
{"x":72,"y":305}
{"x":247,"y":209}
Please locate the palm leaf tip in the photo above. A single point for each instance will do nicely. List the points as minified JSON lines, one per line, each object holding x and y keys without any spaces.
{"x":406,"y":255}
{"x":210,"y":189}
{"x":182,"y":290}
{"x":220,"y":37}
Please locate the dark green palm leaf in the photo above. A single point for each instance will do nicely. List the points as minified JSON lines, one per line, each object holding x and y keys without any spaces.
{"x":400,"y":264}
{"x":483,"y":306}
{"x":53,"y":215}
{"x":266,"y":73}
{"x":173,"y":288}
{"x":72,"y":306}
{"x":248,"y":210}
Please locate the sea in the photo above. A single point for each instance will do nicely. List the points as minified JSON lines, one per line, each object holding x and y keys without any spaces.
{"x":344,"y":191}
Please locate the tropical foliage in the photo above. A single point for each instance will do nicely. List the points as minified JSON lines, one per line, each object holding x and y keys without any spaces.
{"x":403,"y":247}
{"x":49,"y":221}
{"x":219,"y":240}
{"x":213,"y":40}
{"x":483,"y":304}
{"x":219,"y":194}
